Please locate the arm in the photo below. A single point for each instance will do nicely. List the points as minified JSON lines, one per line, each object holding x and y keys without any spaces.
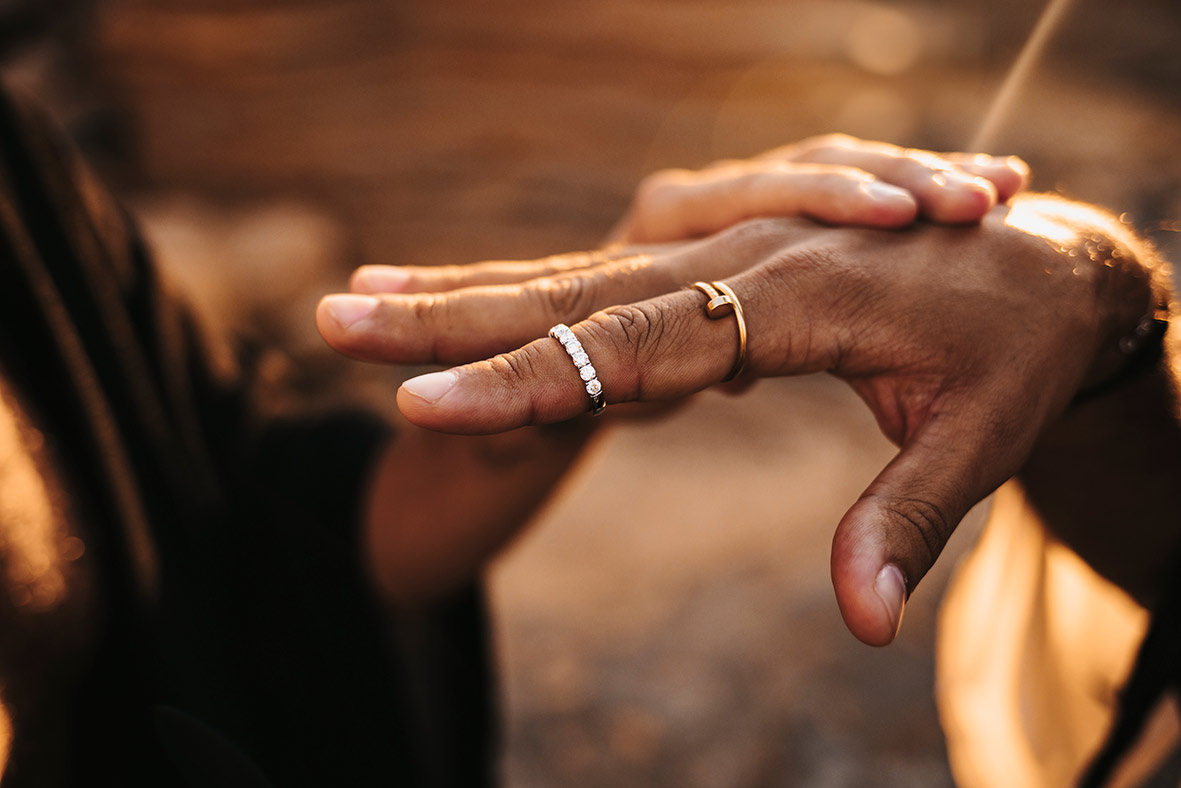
{"x":1106,"y":479}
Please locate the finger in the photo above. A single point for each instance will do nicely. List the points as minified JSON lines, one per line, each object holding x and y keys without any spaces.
{"x":888,"y":540}
{"x":476,"y":322}
{"x":660,"y":349}
{"x":1010,"y":174}
{"x":684,"y":204}
{"x":945,"y":193}
{"x":471,"y":322}
{"x":540,"y":384}
{"x":373,"y":279}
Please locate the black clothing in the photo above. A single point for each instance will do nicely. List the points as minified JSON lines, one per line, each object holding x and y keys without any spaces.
{"x":239,"y":642}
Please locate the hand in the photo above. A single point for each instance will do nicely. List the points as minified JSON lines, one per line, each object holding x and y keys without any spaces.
{"x":964,"y":342}
{"x":440,"y":506}
{"x":427,"y":544}
{"x":833,"y":178}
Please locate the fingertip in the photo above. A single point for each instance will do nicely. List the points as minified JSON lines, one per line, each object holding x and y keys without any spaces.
{"x":1019,"y":177}
{"x":889,"y":206}
{"x":982,"y":196}
{"x":419,"y":399}
{"x":430,"y":387}
{"x":871,"y":604}
{"x":463,"y":400}
{"x":961,"y":198}
{"x":871,"y":590}
{"x":1008,"y":174}
{"x":890,"y":588}
{"x":339,"y":312}
{"x":379,"y":279}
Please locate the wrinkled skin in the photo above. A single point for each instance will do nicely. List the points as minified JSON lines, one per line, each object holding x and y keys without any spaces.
{"x":422,"y":544}
{"x":965,"y":342}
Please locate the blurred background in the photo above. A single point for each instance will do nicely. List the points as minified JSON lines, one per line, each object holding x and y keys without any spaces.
{"x":669,"y":621}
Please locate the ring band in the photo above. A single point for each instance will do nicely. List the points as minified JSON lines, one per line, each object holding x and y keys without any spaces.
{"x":586,"y":370}
{"x":723,"y":301}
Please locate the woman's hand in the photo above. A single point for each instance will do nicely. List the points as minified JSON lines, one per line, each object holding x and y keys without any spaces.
{"x":964,"y":342}
{"x":835,"y":178}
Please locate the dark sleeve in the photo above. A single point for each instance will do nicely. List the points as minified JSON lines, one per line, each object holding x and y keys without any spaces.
{"x":241,"y":618}
{"x":108,"y":352}
{"x":1155,"y":673}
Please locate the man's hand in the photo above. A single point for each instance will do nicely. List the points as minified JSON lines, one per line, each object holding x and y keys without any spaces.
{"x":964,"y":342}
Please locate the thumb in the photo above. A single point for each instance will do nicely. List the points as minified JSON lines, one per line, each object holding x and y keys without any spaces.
{"x":889,"y":539}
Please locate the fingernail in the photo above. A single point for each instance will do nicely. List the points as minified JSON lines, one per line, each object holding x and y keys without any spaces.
{"x":1017,"y":164}
{"x":348,"y":309}
{"x":890,"y":586}
{"x":884,"y":192}
{"x":384,"y":280}
{"x":983,"y":184}
{"x":431,"y":386}
{"x":960,"y":179}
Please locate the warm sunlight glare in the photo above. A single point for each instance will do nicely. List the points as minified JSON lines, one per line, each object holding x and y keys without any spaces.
{"x":5,"y":738}
{"x":29,"y":540}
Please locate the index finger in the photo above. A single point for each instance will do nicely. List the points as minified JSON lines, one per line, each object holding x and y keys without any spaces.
{"x":660,"y":349}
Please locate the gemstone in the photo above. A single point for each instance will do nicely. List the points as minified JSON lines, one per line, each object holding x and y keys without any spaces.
{"x":573,"y":346}
{"x":581,"y":359}
{"x":558,"y":330}
{"x":594,"y":387}
{"x":587,"y":372}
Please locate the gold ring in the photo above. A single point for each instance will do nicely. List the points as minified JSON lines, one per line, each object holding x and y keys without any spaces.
{"x":723,"y":301}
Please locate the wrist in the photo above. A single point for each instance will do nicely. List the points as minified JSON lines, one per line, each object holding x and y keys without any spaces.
{"x":1131,"y":356}
{"x":1135,"y":300}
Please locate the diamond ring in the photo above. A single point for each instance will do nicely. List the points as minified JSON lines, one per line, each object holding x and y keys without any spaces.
{"x":586,"y":370}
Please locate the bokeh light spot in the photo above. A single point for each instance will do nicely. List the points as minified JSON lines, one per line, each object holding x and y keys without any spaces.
{"x":883,"y":40}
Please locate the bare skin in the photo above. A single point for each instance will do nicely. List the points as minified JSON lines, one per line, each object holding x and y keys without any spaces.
{"x":968,"y":344}
{"x":422,"y":545}
{"x":440,"y":505}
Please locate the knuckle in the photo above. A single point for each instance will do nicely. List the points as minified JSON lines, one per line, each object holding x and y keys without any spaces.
{"x":359,"y":277}
{"x":759,"y":183}
{"x":822,"y":145}
{"x":754,"y":235}
{"x":516,"y":367}
{"x":514,"y":372}
{"x":636,"y":326}
{"x":828,"y":141}
{"x":635,"y":332}
{"x":909,"y":165}
{"x":565,"y":297}
{"x":841,"y":297}
{"x":429,"y":308}
{"x":926,"y":523}
{"x":660,"y":186}
{"x":825,"y":262}
{"x":840,"y":179}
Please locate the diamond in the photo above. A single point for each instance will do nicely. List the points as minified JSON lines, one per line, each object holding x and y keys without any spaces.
{"x":573,"y":346}
{"x":587,"y":372}
{"x":580,"y":359}
{"x":594,"y":387}
{"x":559,"y":330}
